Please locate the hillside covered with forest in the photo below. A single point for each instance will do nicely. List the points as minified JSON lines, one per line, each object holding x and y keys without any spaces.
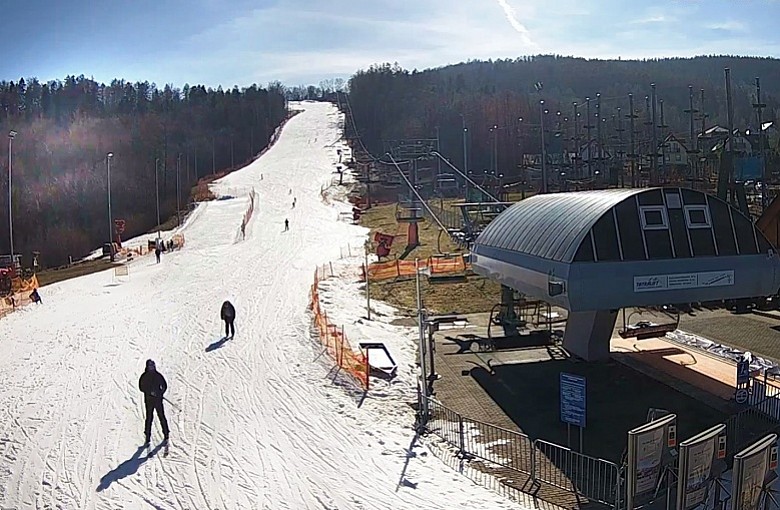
{"x":391,"y":103}
{"x":65,"y":129}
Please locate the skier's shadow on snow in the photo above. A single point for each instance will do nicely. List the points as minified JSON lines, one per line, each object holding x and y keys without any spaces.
{"x":216,"y":345}
{"x":127,"y":468}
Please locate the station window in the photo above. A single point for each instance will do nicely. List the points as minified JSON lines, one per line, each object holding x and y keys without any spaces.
{"x":697,"y":216}
{"x":653,"y":217}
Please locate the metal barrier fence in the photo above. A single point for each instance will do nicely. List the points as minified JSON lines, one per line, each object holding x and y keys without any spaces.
{"x":493,"y":444}
{"x":449,"y":218}
{"x":596,"y":479}
{"x":761,"y":417}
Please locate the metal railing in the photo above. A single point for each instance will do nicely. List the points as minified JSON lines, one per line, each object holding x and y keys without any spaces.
{"x":451,"y":219}
{"x":598,"y":480}
{"x":761,"y":417}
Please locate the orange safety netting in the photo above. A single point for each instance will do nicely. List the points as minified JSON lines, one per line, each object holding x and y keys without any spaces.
{"x":335,"y":341}
{"x":397,"y":268}
{"x":20,"y":294}
{"x":249,"y":211}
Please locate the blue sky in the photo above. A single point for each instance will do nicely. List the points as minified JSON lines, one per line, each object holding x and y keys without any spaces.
{"x":240,"y":42}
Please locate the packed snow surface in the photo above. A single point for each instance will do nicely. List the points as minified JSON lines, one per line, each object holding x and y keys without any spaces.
{"x":258,"y":421}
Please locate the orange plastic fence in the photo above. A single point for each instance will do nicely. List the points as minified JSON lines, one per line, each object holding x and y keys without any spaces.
{"x":21,"y":290}
{"x":397,"y":268}
{"x":249,"y":211}
{"x":335,"y":341}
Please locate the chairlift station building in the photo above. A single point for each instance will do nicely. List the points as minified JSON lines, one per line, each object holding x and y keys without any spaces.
{"x":594,"y":252}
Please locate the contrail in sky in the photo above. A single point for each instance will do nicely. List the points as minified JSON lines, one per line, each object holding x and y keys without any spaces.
{"x":509,"y":12}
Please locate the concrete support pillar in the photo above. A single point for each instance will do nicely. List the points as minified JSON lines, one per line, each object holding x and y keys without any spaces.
{"x":588,"y":334}
{"x":412,"y":236}
{"x":508,"y":315}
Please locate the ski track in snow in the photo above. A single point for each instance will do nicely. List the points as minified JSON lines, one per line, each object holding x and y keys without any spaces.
{"x":255,"y":423}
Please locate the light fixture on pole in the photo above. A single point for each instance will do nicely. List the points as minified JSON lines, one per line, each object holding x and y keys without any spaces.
{"x":157,"y":188}
{"x":544,"y":150}
{"x":423,"y":384}
{"x":11,"y":136}
{"x":110,"y":218}
{"x":465,"y":153}
{"x":178,"y":195}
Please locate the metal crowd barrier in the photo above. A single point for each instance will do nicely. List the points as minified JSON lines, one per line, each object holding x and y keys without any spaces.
{"x":596,"y":479}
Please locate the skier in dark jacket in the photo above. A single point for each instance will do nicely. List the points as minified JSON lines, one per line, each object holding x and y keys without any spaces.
{"x":153,"y":385}
{"x":228,"y":315}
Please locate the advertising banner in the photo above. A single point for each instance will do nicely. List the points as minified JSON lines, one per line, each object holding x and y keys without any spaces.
{"x":647,"y":445}
{"x":678,"y":281}
{"x":697,"y":455}
{"x":751,"y":466}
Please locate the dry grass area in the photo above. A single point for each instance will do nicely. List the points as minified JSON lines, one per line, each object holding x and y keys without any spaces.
{"x":475,"y":295}
{"x":49,"y":276}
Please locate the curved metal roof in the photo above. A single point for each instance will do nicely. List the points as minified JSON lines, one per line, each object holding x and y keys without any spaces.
{"x":551,"y":226}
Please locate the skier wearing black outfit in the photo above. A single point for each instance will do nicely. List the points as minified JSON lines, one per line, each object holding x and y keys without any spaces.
{"x":228,"y":315}
{"x":153,"y":385}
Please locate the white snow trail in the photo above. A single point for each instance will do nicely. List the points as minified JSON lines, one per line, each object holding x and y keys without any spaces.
{"x":255,"y":422}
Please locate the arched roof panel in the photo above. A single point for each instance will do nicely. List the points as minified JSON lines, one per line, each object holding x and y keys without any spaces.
{"x":551,"y":226}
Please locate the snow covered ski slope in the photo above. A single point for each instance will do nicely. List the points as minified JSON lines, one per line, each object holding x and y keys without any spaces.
{"x":255,"y":421}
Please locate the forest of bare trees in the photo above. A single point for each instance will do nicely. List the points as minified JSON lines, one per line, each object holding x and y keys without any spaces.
{"x":64,"y":130}
{"x":392,"y":103}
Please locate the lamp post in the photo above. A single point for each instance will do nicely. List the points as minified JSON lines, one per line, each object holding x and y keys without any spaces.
{"x":423,"y":369}
{"x":110,"y":219}
{"x":178,"y":203}
{"x":544,"y":151}
{"x":157,"y":189}
{"x":465,"y":153}
{"x":11,"y":136}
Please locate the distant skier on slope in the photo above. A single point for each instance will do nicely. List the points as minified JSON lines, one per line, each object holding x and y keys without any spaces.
{"x":153,"y":385}
{"x":228,"y":314}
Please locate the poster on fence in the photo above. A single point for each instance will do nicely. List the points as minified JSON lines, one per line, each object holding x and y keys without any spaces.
{"x":647,"y":446}
{"x":697,"y":456}
{"x":751,"y":467}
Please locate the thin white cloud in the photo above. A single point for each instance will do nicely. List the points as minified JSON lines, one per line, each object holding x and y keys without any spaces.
{"x":511,"y":16}
{"x":731,"y":26}
{"x":648,"y":20}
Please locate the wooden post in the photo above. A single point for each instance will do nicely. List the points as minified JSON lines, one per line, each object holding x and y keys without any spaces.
{"x":368,"y":289}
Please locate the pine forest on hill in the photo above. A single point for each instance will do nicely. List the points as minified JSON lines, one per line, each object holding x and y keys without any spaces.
{"x":65,"y":130}
{"x":390,"y":103}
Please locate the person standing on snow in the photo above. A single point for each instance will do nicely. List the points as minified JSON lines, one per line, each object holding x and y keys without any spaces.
{"x":157,"y":252}
{"x":153,"y":385}
{"x":286,"y":224}
{"x":228,"y":314}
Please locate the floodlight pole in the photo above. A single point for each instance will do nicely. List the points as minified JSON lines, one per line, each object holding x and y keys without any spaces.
{"x":157,"y":189}
{"x":11,"y":136}
{"x":110,"y":218}
{"x":421,"y":324}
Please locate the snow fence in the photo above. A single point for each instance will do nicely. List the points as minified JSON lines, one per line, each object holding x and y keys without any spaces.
{"x":335,"y":340}
{"x":249,"y":211}
{"x":20,"y":294}
{"x":439,"y":266}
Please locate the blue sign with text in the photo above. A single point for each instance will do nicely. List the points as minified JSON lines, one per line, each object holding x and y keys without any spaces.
{"x":743,"y":372}
{"x":573,"y":399}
